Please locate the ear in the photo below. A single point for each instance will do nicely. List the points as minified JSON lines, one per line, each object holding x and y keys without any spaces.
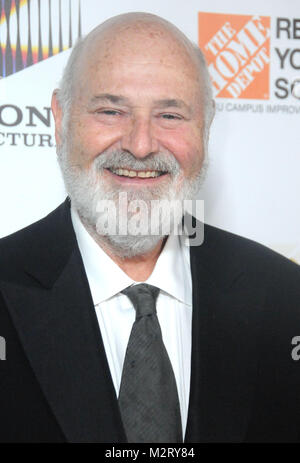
{"x":57,"y":114}
{"x":213,"y":112}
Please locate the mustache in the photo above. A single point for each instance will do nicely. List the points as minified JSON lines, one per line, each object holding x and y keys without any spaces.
{"x":125,"y":160}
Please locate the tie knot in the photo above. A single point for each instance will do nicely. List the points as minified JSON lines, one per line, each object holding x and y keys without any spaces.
{"x":143,"y":298}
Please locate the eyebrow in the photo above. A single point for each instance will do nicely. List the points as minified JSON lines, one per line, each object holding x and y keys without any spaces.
{"x":171,"y":103}
{"x":104,"y":97}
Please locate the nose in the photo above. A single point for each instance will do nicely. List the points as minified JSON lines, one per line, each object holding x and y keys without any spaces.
{"x":139,"y":139}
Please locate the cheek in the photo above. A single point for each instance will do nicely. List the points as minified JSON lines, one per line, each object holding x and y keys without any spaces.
{"x":187,"y":147}
{"x":88,"y":139}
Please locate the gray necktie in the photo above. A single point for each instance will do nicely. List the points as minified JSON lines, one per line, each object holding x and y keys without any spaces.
{"x":148,"y":397}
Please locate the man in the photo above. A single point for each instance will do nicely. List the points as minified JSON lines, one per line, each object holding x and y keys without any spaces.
{"x":132,"y":117}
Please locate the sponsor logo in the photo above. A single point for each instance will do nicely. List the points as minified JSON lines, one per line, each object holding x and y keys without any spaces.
{"x":237,"y":50}
{"x":34,"y":30}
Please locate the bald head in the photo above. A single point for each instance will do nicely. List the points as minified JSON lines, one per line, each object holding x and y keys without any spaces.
{"x":129,"y":37}
{"x":133,"y":32}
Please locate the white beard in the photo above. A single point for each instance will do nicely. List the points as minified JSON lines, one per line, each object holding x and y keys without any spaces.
{"x":87,"y":189}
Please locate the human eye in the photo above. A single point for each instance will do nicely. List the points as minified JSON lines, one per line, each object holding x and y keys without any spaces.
{"x":109,"y":112}
{"x":109,"y":116}
{"x":171,"y":116}
{"x":169,"y":120}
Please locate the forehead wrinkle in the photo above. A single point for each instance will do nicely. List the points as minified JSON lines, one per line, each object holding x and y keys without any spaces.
{"x":121,"y":100}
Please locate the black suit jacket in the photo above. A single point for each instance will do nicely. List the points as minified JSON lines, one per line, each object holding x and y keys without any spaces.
{"x":55,"y":384}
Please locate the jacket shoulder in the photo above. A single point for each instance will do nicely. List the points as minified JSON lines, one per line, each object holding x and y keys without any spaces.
{"x":52,"y":233}
{"x":252,"y":257}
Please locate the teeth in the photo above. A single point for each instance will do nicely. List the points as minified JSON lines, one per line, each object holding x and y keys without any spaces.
{"x":142,"y":174}
{"x":133,"y":173}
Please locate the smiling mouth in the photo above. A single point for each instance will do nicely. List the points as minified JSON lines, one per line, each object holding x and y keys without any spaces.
{"x":137,"y":173}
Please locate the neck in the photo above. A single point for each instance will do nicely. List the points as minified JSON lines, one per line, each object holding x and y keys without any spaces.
{"x":140,"y":267}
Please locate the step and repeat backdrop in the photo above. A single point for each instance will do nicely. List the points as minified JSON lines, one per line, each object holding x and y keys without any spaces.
{"x":253,"y":53}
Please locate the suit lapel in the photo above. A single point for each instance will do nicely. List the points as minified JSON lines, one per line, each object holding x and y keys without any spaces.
{"x":58,"y":328}
{"x":224,"y":339}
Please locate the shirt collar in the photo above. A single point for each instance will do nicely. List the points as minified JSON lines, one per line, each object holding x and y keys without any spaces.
{"x":171,"y":273}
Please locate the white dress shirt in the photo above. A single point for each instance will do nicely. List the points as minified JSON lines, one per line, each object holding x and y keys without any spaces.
{"x":116,"y":313}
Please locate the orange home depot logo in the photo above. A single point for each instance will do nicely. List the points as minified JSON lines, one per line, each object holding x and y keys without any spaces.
{"x":237,"y":50}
